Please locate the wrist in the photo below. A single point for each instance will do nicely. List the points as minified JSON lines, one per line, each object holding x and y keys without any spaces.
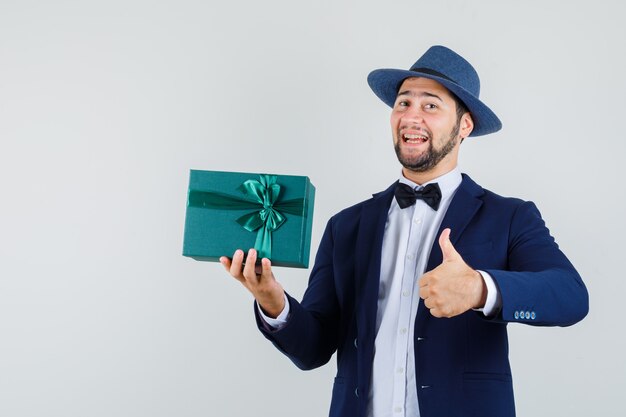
{"x":481,"y":290}
{"x":272,"y":308}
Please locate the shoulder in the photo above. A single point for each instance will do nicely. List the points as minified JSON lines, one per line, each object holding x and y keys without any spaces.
{"x":497,"y":208}
{"x":490,"y":198}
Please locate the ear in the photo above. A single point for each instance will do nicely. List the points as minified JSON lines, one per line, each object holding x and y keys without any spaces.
{"x":466,"y":125}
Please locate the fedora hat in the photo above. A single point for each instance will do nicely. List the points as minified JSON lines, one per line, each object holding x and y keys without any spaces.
{"x":450,"y":70}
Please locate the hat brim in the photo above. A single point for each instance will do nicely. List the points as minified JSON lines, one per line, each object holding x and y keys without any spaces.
{"x":386,"y":82}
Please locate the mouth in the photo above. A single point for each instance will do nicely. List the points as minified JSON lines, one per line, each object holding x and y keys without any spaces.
{"x":414,"y":139}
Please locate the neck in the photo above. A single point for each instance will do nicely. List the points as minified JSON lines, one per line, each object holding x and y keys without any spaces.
{"x":420,"y":178}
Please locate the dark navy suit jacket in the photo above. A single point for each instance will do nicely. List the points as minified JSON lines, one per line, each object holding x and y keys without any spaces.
{"x":462,"y":365}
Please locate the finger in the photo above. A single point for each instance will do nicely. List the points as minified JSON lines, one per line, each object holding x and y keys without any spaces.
{"x":266,"y":268}
{"x":225,"y":261}
{"x":447,"y":249}
{"x":424,"y":280}
{"x":424,"y":292}
{"x":227,"y":264}
{"x":249,"y":269}
{"x":235,"y":265}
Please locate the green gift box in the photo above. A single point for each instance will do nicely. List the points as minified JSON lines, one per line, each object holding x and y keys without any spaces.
{"x":227,"y":211}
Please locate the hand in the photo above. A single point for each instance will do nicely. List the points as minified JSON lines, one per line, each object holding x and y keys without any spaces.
{"x":453,"y":287}
{"x":259,"y":280}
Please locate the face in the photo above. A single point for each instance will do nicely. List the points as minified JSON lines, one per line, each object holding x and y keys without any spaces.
{"x":425,"y":126}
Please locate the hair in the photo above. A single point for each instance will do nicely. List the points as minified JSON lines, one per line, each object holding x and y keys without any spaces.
{"x":461,"y":109}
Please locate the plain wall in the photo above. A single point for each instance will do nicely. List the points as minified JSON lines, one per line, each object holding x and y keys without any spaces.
{"x":106,"y":105}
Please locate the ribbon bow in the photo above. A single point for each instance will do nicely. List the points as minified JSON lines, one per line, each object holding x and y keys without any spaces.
{"x":263,"y":198}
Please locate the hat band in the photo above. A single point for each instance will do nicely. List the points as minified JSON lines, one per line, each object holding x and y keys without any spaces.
{"x":432,"y":72}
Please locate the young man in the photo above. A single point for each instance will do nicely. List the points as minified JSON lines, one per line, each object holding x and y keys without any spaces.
{"x":414,"y":287}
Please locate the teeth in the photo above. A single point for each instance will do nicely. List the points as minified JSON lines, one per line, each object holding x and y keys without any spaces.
{"x":409,"y":137}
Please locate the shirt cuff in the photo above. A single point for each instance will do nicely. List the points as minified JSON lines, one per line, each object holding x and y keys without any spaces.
{"x":280,"y":321}
{"x":494,"y":300}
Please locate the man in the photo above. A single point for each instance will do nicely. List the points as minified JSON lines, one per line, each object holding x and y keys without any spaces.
{"x":414,"y":287}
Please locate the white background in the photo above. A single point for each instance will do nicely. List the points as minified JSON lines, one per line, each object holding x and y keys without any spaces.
{"x":106,"y":105}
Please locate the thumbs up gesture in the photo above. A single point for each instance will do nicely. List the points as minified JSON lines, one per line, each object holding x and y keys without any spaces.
{"x":453,"y":287}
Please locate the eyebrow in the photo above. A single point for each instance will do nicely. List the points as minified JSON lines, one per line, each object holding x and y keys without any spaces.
{"x":421,"y":94}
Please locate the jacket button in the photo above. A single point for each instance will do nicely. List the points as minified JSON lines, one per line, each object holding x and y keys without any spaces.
{"x":356,"y":343}
{"x":527,"y":315}
{"x":516,"y":315}
{"x":533,"y":315}
{"x":356,"y":392}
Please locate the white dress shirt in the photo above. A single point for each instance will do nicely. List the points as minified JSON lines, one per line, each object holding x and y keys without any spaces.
{"x":408,"y":237}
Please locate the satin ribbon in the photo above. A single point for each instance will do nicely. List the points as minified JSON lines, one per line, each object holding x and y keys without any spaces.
{"x":260,"y":196}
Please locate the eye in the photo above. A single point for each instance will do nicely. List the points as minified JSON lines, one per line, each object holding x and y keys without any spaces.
{"x":402,"y":103}
{"x":430,"y":106}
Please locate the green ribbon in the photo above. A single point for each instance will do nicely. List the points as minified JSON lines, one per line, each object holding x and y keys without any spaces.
{"x":260,"y":196}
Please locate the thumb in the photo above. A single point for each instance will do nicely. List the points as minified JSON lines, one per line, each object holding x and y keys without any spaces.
{"x":447,"y":250}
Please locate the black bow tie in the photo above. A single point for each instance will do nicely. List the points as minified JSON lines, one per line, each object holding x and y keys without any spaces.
{"x":406,"y":196}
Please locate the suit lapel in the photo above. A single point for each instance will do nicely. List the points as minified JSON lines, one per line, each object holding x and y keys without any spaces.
{"x":367,"y":277}
{"x":367,"y":258}
{"x":462,"y":209}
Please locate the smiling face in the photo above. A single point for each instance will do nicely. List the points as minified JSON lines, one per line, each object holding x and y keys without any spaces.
{"x":426,"y":129}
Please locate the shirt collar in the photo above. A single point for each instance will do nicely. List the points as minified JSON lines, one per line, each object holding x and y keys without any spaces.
{"x":448,"y":182}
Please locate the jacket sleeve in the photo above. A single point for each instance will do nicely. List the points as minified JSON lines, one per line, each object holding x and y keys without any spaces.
{"x":540,"y":286}
{"x":309,"y":338}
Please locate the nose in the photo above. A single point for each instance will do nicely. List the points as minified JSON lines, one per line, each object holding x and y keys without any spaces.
{"x":411,"y":116}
